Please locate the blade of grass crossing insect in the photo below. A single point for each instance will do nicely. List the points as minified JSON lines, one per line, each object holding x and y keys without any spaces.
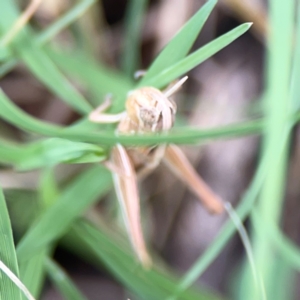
{"x":276,"y":139}
{"x":225,"y":234}
{"x":38,"y":62}
{"x":7,"y":254}
{"x":55,"y":221}
{"x":180,"y":45}
{"x":134,"y":21}
{"x":62,"y":281}
{"x":148,"y":284}
{"x":192,"y":60}
{"x":15,"y":116}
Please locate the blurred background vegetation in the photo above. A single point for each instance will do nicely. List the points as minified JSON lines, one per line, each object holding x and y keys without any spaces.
{"x":237,"y":121}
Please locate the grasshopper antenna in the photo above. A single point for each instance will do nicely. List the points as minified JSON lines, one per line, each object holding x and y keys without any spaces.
{"x":175,"y":87}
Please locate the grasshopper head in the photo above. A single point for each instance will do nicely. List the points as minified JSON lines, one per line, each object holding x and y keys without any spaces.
{"x":151,"y":109}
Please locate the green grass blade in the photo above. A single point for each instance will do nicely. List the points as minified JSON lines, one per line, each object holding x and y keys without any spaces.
{"x":48,"y":189}
{"x":288,"y":249}
{"x":12,"y":114}
{"x":228,"y":230}
{"x":4,"y":54}
{"x":62,"y":281}
{"x":134,"y":21}
{"x":32,"y":273}
{"x":49,"y":152}
{"x":277,"y":134}
{"x":15,"y":116}
{"x":194,"y":59}
{"x":97,"y":79}
{"x":7,"y":66}
{"x":10,"y":153}
{"x":64,"y":21}
{"x":148,"y":284}
{"x":295,"y":87}
{"x":38,"y":62}
{"x":72,"y":15}
{"x":53,"y":151}
{"x":55,"y":221}
{"x":7,"y":254}
{"x":180,"y":45}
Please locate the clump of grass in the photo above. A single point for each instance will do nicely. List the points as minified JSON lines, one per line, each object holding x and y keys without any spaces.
{"x":58,"y":216}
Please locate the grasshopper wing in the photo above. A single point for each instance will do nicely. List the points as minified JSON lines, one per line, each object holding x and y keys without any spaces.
{"x":127,"y":192}
{"x":181,"y":167}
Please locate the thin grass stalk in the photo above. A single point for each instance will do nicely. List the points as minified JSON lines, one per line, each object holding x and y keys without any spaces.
{"x":276,"y":136}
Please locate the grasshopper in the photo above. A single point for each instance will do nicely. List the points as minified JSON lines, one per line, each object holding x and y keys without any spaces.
{"x":148,"y":110}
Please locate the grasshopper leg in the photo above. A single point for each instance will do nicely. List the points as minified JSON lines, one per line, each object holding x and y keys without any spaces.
{"x":98,"y":115}
{"x":181,"y":167}
{"x":127,"y":193}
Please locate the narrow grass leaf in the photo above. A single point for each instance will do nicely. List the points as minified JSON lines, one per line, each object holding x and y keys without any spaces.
{"x":23,"y":208}
{"x":295,"y":87}
{"x":98,"y":79}
{"x":62,"y":281}
{"x":228,"y":230}
{"x":8,"y":257}
{"x":19,"y":284}
{"x":148,"y":284}
{"x":55,"y":221}
{"x":45,"y":36}
{"x":32,"y":273}
{"x":289,"y":251}
{"x":133,"y":23}
{"x":48,"y":189}
{"x":191,"y":61}
{"x":20,"y":22}
{"x":276,"y":141}
{"x":12,"y":114}
{"x":4,"y":54}
{"x":38,"y":62}
{"x":10,"y":153}
{"x":181,"y":43}
{"x":64,"y":21}
{"x":48,"y":153}
{"x":259,"y":285}
{"x":53,"y":151}
{"x":7,"y":66}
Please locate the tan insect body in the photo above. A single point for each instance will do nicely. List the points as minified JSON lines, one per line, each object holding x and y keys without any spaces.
{"x":148,"y":110}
